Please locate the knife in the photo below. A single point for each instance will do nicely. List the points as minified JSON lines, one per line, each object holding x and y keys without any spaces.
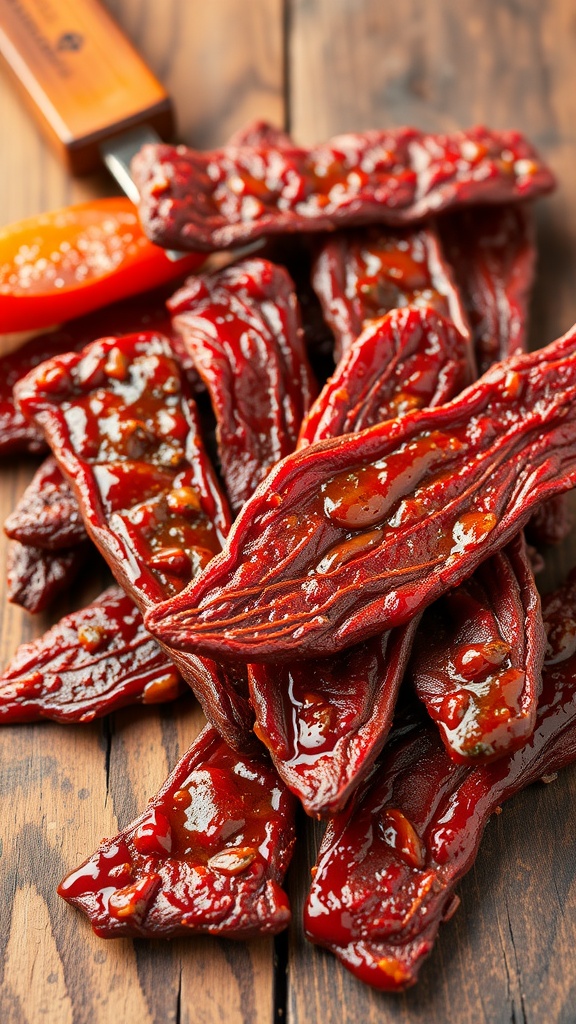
{"x":90,"y":91}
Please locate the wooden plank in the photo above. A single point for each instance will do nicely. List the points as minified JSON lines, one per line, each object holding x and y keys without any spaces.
{"x":63,"y":789}
{"x":508,"y":952}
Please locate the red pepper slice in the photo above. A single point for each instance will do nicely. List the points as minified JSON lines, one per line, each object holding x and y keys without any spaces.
{"x":207,"y":855}
{"x":65,"y":263}
{"x":92,"y":662}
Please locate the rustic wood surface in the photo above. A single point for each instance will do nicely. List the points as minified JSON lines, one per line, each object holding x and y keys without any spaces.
{"x":318,"y":67}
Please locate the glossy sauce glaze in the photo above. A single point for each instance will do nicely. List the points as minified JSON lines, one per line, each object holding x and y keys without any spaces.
{"x":89,"y":664}
{"x":387,"y":868}
{"x":207,"y":855}
{"x":357,"y":534}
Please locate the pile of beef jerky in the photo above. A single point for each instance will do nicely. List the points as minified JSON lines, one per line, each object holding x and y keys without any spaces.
{"x":347,"y":586}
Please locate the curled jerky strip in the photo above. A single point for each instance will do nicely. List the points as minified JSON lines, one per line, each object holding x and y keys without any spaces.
{"x":409,"y":359}
{"x":92,"y":662}
{"x":35,"y":577}
{"x":230,"y":196}
{"x":123,"y":428}
{"x":242,"y":328}
{"x":478,"y":661}
{"x":207,"y":855}
{"x":47,"y":515}
{"x":388,"y":867}
{"x":359,"y":275}
{"x":358,"y":534}
{"x":325,"y":721}
{"x":493,"y":252}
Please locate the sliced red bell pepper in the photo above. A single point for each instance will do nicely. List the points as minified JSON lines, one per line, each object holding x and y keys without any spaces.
{"x":68,"y":262}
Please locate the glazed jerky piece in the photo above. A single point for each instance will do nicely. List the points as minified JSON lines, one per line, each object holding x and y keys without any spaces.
{"x":208,"y":854}
{"x":387,"y":868}
{"x":228,"y":197}
{"x":325,"y":721}
{"x":493,"y":253}
{"x":409,"y":359}
{"x":91,"y":663}
{"x":35,"y":577}
{"x":478,"y":658}
{"x":359,"y":275}
{"x":139,"y":313}
{"x":355,"y":535}
{"x":47,"y":515}
{"x":123,"y":427}
{"x":242,"y":328}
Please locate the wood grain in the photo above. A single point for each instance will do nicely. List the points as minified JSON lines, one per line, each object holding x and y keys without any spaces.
{"x":507,"y":955}
{"x":63,"y":789}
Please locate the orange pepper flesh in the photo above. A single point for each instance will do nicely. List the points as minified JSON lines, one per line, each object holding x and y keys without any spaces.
{"x":66,"y":263}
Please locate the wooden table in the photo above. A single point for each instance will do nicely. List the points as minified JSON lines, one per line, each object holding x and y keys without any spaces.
{"x":318,"y":67}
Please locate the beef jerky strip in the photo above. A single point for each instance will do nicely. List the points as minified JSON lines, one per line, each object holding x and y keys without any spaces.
{"x":358,"y":534}
{"x":325,"y":721}
{"x":412,"y":358}
{"x":89,"y":664}
{"x":143,"y":312}
{"x":47,"y":515}
{"x":228,"y":197}
{"x":478,"y":658}
{"x":242,"y":328}
{"x":123,"y":427}
{"x":35,"y":577}
{"x":359,"y":275}
{"x":388,"y":867}
{"x":493,"y":252}
{"x":207,"y":855}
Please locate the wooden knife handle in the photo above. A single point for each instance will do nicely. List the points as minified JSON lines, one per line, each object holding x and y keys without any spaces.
{"x":79,"y":74}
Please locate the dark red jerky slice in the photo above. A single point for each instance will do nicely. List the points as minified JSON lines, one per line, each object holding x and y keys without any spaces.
{"x":242,"y":328}
{"x":227,"y":197}
{"x":35,"y":577}
{"x":92,"y":662}
{"x":207,"y":855}
{"x":325,"y":721}
{"x":123,"y":427}
{"x":359,"y":275}
{"x":409,"y":359}
{"x":355,"y":535}
{"x":478,"y":658}
{"x":137,"y":313}
{"x":47,"y":515}
{"x":387,"y":868}
{"x":493,"y":253}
